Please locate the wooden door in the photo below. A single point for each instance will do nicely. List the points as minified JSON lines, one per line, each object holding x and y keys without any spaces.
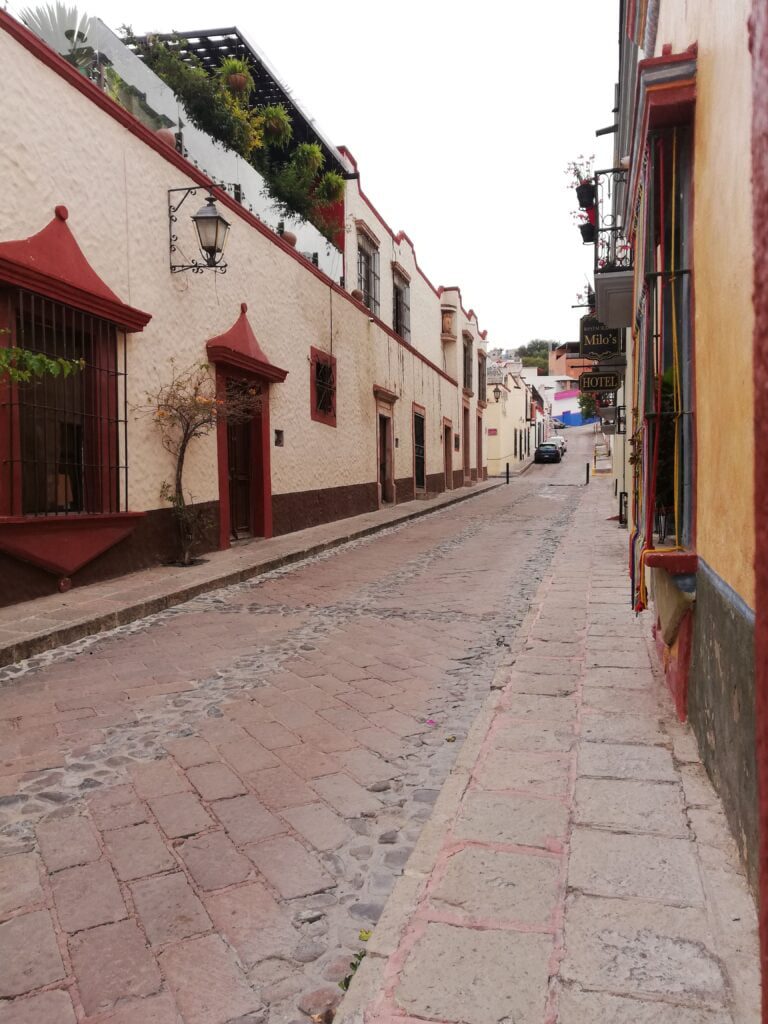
{"x":448,"y":456}
{"x":465,"y":448}
{"x":419,"y":453}
{"x":239,"y":453}
{"x":385,"y":459}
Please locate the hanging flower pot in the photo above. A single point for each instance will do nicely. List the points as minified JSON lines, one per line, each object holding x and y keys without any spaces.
{"x":585,"y":194}
{"x":236,"y":76}
{"x":237,"y":82}
{"x":587,"y":232}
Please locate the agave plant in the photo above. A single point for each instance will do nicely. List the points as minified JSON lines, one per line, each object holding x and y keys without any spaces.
{"x":65,"y":30}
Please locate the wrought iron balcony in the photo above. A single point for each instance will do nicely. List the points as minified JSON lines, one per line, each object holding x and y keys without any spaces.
{"x":613,"y":253}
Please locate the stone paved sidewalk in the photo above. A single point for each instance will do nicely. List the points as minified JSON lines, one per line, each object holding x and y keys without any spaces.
{"x":577,"y":867}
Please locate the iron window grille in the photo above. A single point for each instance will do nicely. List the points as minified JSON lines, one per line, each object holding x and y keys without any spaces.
{"x":401,"y":306}
{"x":468,"y":363}
{"x":368,"y":272}
{"x":63,"y":439}
{"x":482,"y":390}
{"x":323,"y":385}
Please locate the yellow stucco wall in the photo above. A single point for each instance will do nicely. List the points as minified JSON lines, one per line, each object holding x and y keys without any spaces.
{"x":505,"y":417}
{"x":60,"y":148}
{"x":723,"y":280}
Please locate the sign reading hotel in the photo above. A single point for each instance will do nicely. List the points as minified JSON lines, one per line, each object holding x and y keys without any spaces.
{"x":599,"y":382}
{"x":596,"y":341}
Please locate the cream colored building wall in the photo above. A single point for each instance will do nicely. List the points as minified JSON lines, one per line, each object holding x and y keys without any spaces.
{"x":425,"y":320}
{"x":60,"y":148}
{"x":722,"y":246}
{"x":424,"y":301}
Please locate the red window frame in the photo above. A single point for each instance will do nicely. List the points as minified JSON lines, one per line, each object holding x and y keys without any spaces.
{"x":104,"y":478}
{"x":318,"y":357}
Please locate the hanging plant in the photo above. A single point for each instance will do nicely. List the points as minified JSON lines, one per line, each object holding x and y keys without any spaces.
{"x":276,"y":124}
{"x":236,"y":76}
{"x":330,"y":188}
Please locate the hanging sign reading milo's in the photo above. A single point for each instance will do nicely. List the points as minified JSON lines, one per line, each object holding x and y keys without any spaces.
{"x":596,"y":341}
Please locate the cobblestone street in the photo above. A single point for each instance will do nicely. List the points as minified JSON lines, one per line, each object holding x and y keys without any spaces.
{"x":201,"y":810}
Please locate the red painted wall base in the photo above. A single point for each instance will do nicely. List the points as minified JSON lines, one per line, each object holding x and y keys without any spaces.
{"x":676,"y":662}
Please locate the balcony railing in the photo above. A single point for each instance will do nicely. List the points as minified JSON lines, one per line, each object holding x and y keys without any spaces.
{"x":612,"y":250}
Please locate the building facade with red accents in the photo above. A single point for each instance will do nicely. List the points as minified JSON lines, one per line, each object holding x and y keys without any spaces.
{"x":371,"y":379}
{"x":675,"y":271}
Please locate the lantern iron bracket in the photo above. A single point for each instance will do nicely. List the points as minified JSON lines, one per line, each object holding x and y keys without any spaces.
{"x":196,"y":266}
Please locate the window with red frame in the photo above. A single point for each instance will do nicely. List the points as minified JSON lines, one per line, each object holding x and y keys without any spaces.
{"x":323,"y":387}
{"x":63,"y":439}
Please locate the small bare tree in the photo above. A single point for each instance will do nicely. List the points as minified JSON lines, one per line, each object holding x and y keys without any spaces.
{"x":187,"y":407}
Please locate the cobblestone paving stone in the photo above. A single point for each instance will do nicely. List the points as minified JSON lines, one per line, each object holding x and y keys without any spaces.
{"x":577,"y":866}
{"x":201,"y":810}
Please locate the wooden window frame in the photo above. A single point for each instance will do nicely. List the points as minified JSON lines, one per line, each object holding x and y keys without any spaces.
{"x":368,"y":276}
{"x":401,"y":310}
{"x":318,"y":357}
{"x":467,"y":366}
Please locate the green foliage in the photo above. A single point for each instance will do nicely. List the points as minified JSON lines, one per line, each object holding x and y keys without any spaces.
{"x":535,"y":353}
{"x":588,"y":406}
{"x":330,"y":188}
{"x":356,"y":960}
{"x":262,"y":135}
{"x":65,"y":30}
{"x":276,"y":124}
{"x":19,"y":365}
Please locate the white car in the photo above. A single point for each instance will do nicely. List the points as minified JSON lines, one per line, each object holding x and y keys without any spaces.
{"x":560,"y":441}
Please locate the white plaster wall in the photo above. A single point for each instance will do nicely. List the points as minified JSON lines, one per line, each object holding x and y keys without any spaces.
{"x":59,"y":147}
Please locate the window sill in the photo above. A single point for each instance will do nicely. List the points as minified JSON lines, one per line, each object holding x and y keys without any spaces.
{"x":62,"y":544}
{"x":676,"y":563}
{"x":468,"y":392}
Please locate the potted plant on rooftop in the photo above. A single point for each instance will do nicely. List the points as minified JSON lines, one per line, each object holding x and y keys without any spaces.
{"x":236,"y":76}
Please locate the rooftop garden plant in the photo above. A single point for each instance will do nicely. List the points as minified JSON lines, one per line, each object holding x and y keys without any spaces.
{"x":219,"y":105}
{"x":65,"y":30}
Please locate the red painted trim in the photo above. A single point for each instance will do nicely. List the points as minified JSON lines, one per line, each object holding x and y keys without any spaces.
{"x":676,"y":563}
{"x":262,"y":482}
{"x":676,"y":662}
{"x":416,"y":408}
{"x":51,"y":263}
{"x":759,"y":48}
{"x":64,"y":544}
{"x":318,"y":356}
{"x":657,"y":105}
{"x":239,"y":348}
{"x":222,"y":456}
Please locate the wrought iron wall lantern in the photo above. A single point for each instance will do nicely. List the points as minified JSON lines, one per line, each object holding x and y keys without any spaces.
{"x":211,"y":230}
{"x":496,"y":393}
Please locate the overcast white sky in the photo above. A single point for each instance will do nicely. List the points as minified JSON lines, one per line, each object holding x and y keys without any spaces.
{"x":461,"y":116}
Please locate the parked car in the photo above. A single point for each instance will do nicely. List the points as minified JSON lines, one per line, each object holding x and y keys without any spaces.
{"x":560,"y":441}
{"x":559,"y":425}
{"x":547,"y":452}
